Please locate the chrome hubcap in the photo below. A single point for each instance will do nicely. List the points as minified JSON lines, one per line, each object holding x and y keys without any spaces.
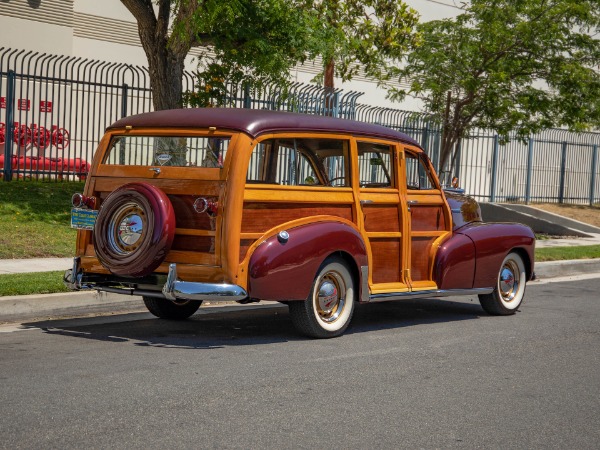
{"x":331,"y":296}
{"x":126,"y":229}
{"x":508,"y":282}
{"x":130,"y":229}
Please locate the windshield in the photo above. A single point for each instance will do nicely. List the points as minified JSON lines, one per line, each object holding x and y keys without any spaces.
{"x":178,"y":151}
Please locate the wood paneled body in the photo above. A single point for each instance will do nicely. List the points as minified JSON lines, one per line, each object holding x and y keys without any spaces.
{"x":259,"y":217}
{"x":401,"y":229}
{"x":197,"y":236}
{"x":429,"y":221}
{"x":383,"y":229}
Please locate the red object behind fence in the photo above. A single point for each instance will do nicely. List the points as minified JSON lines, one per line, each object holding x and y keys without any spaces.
{"x":58,"y":166}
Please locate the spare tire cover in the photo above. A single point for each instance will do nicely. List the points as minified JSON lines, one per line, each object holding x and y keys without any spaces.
{"x":134,"y":230}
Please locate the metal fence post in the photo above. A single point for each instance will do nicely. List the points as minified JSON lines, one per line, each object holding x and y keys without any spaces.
{"x":529,"y":171}
{"x":458,"y":157}
{"x":124,"y":96}
{"x":247,"y":98}
{"x":563,"y":168}
{"x":9,"y":130}
{"x":494,"y":169}
{"x":593,"y":177}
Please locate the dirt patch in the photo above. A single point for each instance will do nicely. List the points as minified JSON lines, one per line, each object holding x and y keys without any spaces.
{"x":585,"y":214}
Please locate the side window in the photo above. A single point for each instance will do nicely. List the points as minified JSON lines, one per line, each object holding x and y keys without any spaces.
{"x":299,"y":162}
{"x":417,"y":173}
{"x":375,"y":165}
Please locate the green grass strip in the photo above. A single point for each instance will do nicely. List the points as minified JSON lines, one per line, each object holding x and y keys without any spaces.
{"x":32,"y":283}
{"x":35,"y":219}
{"x":564,"y":253}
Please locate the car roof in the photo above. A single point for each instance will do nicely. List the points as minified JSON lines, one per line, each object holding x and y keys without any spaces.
{"x":256,"y":122}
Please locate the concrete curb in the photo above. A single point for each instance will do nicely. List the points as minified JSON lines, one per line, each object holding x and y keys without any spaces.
{"x":78,"y":304}
{"x":554,"y":269}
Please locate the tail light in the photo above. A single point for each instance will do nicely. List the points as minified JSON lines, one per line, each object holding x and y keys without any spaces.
{"x":81,"y":201}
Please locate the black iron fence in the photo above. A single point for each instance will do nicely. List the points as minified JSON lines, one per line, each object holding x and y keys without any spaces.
{"x":54,"y":109}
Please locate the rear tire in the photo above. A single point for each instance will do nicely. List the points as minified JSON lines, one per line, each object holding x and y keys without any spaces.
{"x":327,"y":311}
{"x":510,"y":288}
{"x":172,"y":310}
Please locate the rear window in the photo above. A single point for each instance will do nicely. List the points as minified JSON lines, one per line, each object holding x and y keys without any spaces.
{"x":178,"y":151}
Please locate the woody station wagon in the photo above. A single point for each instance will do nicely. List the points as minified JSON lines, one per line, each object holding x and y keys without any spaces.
{"x":193,"y":205}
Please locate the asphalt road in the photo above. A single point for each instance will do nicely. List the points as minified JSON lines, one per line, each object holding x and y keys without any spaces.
{"x":418,"y":374}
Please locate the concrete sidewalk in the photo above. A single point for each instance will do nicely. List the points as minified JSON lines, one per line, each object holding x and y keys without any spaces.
{"x":8,"y":266}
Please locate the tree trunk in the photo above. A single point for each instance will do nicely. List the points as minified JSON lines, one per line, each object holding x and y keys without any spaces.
{"x":165,"y":63}
{"x":329,"y":87}
{"x":166,"y":73}
{"x":328,"y":75}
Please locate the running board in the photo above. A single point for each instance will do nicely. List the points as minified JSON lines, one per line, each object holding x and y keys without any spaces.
{"x":427,"y":294}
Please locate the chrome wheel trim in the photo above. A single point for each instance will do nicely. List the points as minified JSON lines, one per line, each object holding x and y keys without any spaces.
{"x":330,"y":297}
{"x":126,"y":228}
{"x":509,"y":283}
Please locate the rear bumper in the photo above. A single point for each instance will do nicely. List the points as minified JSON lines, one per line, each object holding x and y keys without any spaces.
{"x":170,"y":288}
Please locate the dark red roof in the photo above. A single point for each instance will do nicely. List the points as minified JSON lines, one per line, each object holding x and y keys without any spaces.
{"x":255,"y":122}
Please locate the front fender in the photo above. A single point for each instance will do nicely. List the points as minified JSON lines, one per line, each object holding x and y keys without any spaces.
{"x":493,"y":241}
{"x":284,"y":270}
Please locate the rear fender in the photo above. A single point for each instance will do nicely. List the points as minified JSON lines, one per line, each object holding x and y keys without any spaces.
{"x":454,"y":266}
{"x":493,"y":241}
{"x":281,"y":269}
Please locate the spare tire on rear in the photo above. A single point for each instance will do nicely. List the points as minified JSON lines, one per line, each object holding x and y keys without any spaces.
{"x":134,"y":230}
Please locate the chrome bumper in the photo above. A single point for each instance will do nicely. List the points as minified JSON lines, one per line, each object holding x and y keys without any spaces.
{"x":173,"y":289}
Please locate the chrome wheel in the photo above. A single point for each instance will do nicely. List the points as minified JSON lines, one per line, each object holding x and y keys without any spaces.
{"x":331,"y":297}
{"x":126,"y":228}
{"x":510,"y":287}
{"x":509,"y":281}
{"x":328,"y":309}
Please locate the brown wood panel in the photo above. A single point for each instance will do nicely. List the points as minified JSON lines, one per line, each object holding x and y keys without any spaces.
{"x":204,"y":244}
{"x":167,"y":172}
{"x":169,"y":186}
{"x":186,"y":217}
{"x":381,"y":218}
{"x":427,"y":218}
{"x":386,"y":260}
{"x":190,"y":257}
{"x":244,"y":246}
{"x":261,"y":216}
{"x":420,"y":251}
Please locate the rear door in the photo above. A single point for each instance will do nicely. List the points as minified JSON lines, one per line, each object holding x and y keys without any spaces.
{"x":428,"y":216}
{"x":381,"y":217}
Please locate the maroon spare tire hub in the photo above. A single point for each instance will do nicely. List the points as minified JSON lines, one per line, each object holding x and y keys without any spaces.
{"x":134,"y":230}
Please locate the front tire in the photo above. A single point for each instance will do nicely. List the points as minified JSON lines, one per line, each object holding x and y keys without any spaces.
{"x":172,"y":310}
{"x":510,"y":287}
{"x":327,"y":311}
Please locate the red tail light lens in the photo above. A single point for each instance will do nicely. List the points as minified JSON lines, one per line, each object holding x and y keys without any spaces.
{"x":80,"y":201}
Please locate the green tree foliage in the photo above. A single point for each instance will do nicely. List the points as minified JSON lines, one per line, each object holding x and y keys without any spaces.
{"x":256,"y":40}
{"x":369,"y":34}
{"x":509,"y":65}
